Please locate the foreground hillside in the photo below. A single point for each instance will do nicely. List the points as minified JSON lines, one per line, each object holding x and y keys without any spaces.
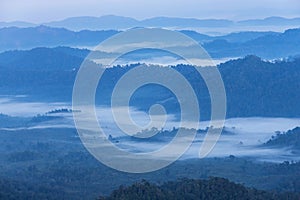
{"x":211,"y":189}
{"x":52,"y":163}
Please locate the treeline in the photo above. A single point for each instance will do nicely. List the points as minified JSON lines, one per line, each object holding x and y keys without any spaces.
{"x":18,"y":190}
{"x":253,"y":86}
{"x":291,"y":138}
{"x":211,"y":189}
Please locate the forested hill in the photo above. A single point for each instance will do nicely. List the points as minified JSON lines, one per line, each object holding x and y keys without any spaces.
{"x":212,"y":189}
{"x":254,"y":87}
{"x":268,"y":45}
{"x":290,"y":139}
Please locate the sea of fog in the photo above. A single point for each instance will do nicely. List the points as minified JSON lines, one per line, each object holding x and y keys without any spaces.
{"x":163,"y":61}
{"x":246,"y":137}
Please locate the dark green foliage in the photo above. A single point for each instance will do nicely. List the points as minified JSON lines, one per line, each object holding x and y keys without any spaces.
{"x":7,"y":121}
{"x":40,"y":59}
{"x":289,"y":139}
{"x":258,"y":88}
{"x":15,"y":190}
{"x":24,"y":156}
{"x":62,"y":110}
{"x":53,"y":164}
{"x":189,"y":189}
{"x":43,"y":118}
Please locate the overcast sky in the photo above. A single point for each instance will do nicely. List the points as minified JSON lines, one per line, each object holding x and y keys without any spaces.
{"x":49,"y":10}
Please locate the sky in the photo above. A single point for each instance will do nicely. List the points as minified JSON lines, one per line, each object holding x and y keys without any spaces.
{"x":38,"y":11}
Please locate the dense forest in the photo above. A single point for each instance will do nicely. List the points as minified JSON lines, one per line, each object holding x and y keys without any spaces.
{"x":289,"y":139}
{"x":211,"y":189}
{"x":52,"y":163}
{"x":254,"y":87}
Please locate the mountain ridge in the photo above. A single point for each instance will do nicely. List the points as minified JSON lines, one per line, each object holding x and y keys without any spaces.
{"x":268,"y":45}
{"x":121,"y":22}
{"x":254,"y":87}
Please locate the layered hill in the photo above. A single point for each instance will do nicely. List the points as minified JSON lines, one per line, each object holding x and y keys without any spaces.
{"x":254,"y":87}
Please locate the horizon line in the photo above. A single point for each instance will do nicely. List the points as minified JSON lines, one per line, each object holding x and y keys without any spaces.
{"x":140,"y":20}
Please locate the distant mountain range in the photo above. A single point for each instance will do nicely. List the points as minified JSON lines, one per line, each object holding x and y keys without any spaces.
{"x":119,"y":22}
{"x":43,"y":36}
{"x":268,"y":45}
{"x":20,"y":24}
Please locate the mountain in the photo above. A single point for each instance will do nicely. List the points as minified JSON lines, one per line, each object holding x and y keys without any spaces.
{"x":119,"y":22}
{"x":236,"y":37}
{"x":201,"y":38}
{"x":211,"y":189}
{"x":95,"y":23}
{"x":109,"y":22}
{"x":44,"y":36}
{"x":254,"y":87}
{"x":41,"y":59}
{"x":184,"y":22}
{"x":239,"y":37}
{"x":27,"y":38}
{"x":261,"y":88}
{"x":268,"y":45}
{"x":20,"y":24}
{"x":271,"y":21}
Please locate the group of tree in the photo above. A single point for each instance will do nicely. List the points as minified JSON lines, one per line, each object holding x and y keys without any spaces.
{"x":211,"y":189}
{"x":290,"y":139}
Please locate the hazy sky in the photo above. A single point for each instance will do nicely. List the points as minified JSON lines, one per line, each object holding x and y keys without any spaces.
{"x":45,"y":10}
